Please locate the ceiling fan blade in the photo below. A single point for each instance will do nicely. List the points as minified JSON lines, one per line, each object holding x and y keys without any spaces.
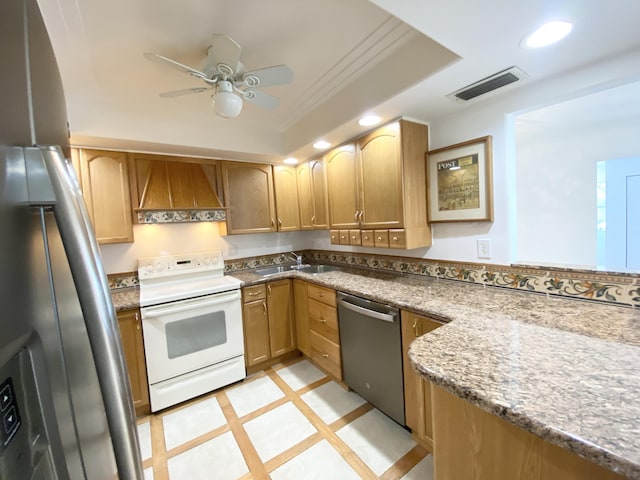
{"x":185,"y":91}
{"x":261,"y":99}
{"x":154,"y":57}
{"x":265,"y":77}
{"x":224,"y":51}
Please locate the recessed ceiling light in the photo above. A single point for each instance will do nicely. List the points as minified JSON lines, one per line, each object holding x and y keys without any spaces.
{"x":547,"y":34}
{"x":369,"y":120}
{"x":320,"y":144}
{"x":290,"y":161}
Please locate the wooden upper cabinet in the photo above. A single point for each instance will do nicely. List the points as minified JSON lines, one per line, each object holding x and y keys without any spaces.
{"x":248,"y":193}
{"x":343,"y":188}
{"x":286,"y":192}
{"x":170,"y":183}
{"x":381,"y":171}
{"x":104,"y":180}
{"x":319,"y":191}
{"x":312,"y":195}
{"x":305,"y":195}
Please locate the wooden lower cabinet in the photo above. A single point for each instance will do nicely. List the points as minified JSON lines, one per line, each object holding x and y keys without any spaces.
{"x":132,"y":343}
{"x":470,"y":443}
{"x":324,"y":336}
{"x":267,"y":314}
{"x":417,"y":391}
{"x":301,"y":310}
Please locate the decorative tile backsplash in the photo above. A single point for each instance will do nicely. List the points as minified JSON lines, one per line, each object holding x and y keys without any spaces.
{"x":181,"y":216}
{"x":618,"y":288}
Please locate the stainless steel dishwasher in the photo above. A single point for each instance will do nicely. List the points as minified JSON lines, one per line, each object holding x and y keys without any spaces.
{"x":370,"y":341}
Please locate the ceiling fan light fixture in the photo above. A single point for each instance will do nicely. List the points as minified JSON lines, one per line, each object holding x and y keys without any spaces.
{"x":226,"y":103}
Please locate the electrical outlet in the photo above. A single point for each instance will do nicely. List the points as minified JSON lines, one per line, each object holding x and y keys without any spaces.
{"x":484,"y":248}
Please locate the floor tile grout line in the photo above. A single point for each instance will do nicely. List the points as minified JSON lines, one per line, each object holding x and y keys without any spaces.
{"x":334,"y":440}
{"x":313,"y":386}
{"x":158,"y":449}
{"x":292,"y":452}
{"x":248,"y":450}
{"x":350,"y":417}
{"x":404,"y":464}
{"x":196,"y":441}
{"x":262,"y":410}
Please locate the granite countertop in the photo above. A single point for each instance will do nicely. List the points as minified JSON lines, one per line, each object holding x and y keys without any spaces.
{"x":566,"y":370}
{"x":125,"y":298}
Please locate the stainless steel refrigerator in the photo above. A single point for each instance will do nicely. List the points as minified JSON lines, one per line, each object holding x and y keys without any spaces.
{"x":65,"y":400}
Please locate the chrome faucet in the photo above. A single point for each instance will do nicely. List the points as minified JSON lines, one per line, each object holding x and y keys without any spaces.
{"x":297,"y":258}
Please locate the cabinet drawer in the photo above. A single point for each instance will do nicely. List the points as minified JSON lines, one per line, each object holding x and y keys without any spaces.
{"x":354,"y":237}
{"x":326,"y":354}
{"x":256,"y":292}
{"x":344,"y":237}
{"x":322,"y":294}
{"x":382,"y":238}
{"x":335,"y":237}
{"x":324,"y":320}
{"x":368,"y":239}
{"x":397,"y":238}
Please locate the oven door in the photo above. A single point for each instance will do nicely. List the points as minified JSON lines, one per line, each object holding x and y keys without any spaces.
{"x":183,"y":336}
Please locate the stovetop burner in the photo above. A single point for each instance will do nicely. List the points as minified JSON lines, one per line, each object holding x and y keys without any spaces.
{"x":177,"y":277}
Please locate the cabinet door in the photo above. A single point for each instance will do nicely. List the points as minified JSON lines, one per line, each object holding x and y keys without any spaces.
{"x":305,"y":195}
{"x":417,"y":393}
{"x":248,"y":193}
{"x":104,"y":178}
{"x":256,"y":332}
{"x":280,"y":307}
{"x":286,"y":191}
{"x":381,"y":178}
{"x":133,"y":346}
{"x":342,"y":188}
{"x":301,"y":311}
{"x":319,"y":190}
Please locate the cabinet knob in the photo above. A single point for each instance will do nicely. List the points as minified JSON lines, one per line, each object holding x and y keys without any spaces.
{"x":342,"y":236}
{"x":395,"y":239}
{"x":379,"y":239}
{"x":353,"y":237}
{"x":366,"y":237}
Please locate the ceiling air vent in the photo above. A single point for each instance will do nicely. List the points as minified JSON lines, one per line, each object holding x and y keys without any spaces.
{"x":486,"y":85}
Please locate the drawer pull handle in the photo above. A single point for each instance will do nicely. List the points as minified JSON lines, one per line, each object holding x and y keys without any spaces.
{"x":321,"y":294}
{"x":324,"y":355}
{"x":395,"y":239}
{"x":322,"y":320}
{"x":252,"y":294}
{"x":415,"y":327}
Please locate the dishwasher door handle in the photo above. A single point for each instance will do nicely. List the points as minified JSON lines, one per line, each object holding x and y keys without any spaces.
{"x":369,"y":313}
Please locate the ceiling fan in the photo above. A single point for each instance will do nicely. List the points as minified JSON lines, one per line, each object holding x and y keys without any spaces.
{"x":223,"y":73}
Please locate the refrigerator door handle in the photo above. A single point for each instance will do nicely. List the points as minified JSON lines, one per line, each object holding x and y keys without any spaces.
{"x":97,"y":308}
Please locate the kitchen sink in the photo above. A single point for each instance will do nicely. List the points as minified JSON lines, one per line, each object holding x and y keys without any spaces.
{"x":312,"y":269}
{"x":318,"y":269}
{"x":268,"y":271}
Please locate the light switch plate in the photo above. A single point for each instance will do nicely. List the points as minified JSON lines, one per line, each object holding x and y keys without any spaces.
{"x":484,"y":248}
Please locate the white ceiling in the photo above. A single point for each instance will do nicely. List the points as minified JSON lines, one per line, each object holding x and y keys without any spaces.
{"x":394,"y":57}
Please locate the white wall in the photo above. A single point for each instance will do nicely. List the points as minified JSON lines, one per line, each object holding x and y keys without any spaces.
{"x":172,"y":239}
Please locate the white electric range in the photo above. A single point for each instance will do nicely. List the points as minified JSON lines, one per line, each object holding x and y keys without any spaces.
{"x":192,"y":326}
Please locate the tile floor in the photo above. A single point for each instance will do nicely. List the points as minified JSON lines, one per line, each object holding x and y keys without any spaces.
{"x":289,"y":422}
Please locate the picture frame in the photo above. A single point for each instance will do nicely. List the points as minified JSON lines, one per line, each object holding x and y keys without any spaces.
{"x":459,"y":182}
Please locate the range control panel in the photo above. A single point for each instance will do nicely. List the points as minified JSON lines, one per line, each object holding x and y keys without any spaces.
{"x":175,"y":265}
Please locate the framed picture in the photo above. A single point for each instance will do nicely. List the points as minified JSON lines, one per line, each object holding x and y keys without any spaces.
{"x":459,"y":182}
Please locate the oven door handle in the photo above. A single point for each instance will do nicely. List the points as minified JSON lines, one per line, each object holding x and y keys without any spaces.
{"x":160,"y":310}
